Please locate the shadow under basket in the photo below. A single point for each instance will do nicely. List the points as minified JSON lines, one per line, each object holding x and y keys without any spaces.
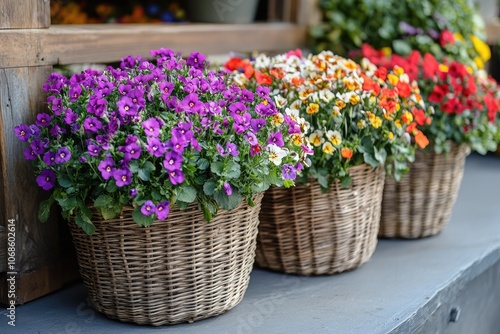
{"x":307,"y":232}
{"x":420,"y":205}
{"x":179,"y":270}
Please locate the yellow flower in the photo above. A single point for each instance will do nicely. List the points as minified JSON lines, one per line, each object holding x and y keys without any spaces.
{"x":481,"y":47}
{"x":377,"y":122}
{"x":316,"y":138}
{"x":312,"y":108}
{"x":393,"y":79}
{"x":297,"y":139}
{"x":399,"y":70}
{"x":328,"y":148}
{"x":458,"y":36}
{"x":334,"y":137}
{"x":387,"y":51}
{"x":407,"y":117}
{"x":370,"y":116}
{"x":479,"y":62}
{"x":398,"y":123}
{"x":341,"y":104}
{"x":336,"y":111}
{"x":390,"y":135}
{"x":361,"y":124}
{"x":354,"y":99}
{"x":278,"y":119}
{"x":443,"y":68}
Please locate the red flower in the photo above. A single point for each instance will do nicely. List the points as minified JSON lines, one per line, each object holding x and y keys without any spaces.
{"x":263,"y":79}
{"x":419,"y":116}
{"x":430,"y":66}
{"x":446,"y":37}
{"x":493,"y":106}
{"x":404,"y":89}
{"x":296,"y":52}
{"x":457,"y":70}
{"x":438,"y":93}
{"x":452,"y":106}
{"x":369,"y":84}
{"x":381,"y":73}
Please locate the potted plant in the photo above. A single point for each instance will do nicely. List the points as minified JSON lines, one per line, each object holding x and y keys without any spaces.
{"x":356,"y":119}
{"x":140,"y":158}
{"x":465,"y":107}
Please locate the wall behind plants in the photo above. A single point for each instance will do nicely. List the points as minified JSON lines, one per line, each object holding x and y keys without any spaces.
{"x":401,"y":26}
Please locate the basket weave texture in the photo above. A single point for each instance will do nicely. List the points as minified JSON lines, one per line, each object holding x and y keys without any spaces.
{"x":307,"y":232}
{"x":179,"y":270}
{"x":420,"y":205}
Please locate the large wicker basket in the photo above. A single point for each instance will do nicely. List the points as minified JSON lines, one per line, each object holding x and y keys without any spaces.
{"x":179,"y":270}
{"x":305,"y":231}
{"x":420,"y":204}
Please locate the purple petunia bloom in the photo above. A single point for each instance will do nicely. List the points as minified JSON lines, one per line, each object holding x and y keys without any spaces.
{"x":183,"y":132}
{"x":289,"y":172}
{"x":137,"y":97}
{"x":70,"y":117}
{"x":196,"y":60}
{"x":237,"y":108}
{"x":49,"y":158}
{"x":262,"y":91}
{"x":56,"y":131}
{"x":241,"y":122}
{"x":247,"y":96}
{"x":177,"y":144}
{"x":46,"y":179}
{"x":37,"y":146}
{"x":29,"y":154}
{"x":43,"y":119}
{"x":232,"y":149}
{"x":132,"y":151}
{"x":148,"y":208}
{"x":162,"y":210}
{"x":266,"y":109}
{"x":191,"y":104}
{"x":92,"y":124}
{"x":166,"y":88}
{"x":151,"y":127}
{"x":63,"y":155}
{"x":227,"y":188}
{"x":74,"y":92}
{"x":155,"y":147}
{"x":220,"y":149}
{"x":35,"y":131}
{"x":257,"y":124}
{"x":131,"y":139}
{"x":97,"y":106}
{"x":276,"y":138}
{"x":176,"y":176}
{"x":126,"y":107}
{"x":133,"y":192}
{"x":22,"y":132}
{"x":122,"y":176}
{"x":172,"y":161}
{"x":93,"y":150}
{"x":124,"y":89}
{"x":106,"y":167}
{"x":251,"y":138}
{"x":194,"y":144}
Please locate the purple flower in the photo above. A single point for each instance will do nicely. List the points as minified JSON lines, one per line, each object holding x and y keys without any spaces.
{"x":124,"y":89}
{"x":56,"y":104}
{"x":137,"y":96}
{"x":83,"y":160}
{"x":35,"y":130}
{"x":106,"y":167}
{"x":250,"y":138}
{"x":247,"y":96}
{"x":196,"y":60}
{"x":176,"y":176}
{"x":70,"y":117}
{"x":131,"y":139}
{"x":227,"y":188}
{"x":183,"y":131}
{"x":177,"y":144}
{"x":172,"y":161}
{"x":194,"y":144}
{"x":75,"y":92}
{"x":97,"y":106}
{"x":46,"y":179}
{"x":232,"y":149}
{"x":63,"y":155}
{"x":132,"y":151}
{"x":191,"y":104}
{"x":122,"y":176}
{"x":155,"y":147}
{"x":29,"y":154}
{"x":276,"y":138}
{"x":151,"y":127}
{"x":37,"y":146}
{"x":56,"y":131}
{"x":220,"y":149}
{"x":126,"y":107}
{"x":237,"y":108}
{"x":241,"y":122}
{"x":289,"y":172}
{"x":262,"y":91}
{"x":22,"y":132}
{"x":43,"y":119}
{"x":49,"y":158}
{"x":133,"y":192}
{"x":266,"y":109}
{"x":93,"y":150}
{"x":92,"y":124}
{"x":166,"y":88}
{"x":257,"y":124}
{"x":148,"y":208}
{"x":162,"y":210}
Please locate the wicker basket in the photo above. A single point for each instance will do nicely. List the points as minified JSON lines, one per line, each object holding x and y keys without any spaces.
{"x":179,"y":270}
{"x":305,"y":231}
{"x":421,"y":204}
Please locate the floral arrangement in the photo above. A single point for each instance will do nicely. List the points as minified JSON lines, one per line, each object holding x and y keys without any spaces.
{"x":153,"y":134}
{"x":465,"y":103}
{"x":351,"y":113}
{"x":445,"y":28}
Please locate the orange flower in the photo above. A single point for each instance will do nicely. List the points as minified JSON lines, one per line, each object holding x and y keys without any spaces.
{"x":369,"y":84}
{"x":263,"y":79}
{"x":346,"y":153}
{"x":421,"y":139}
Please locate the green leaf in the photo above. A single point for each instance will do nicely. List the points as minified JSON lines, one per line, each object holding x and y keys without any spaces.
{"x":260,"y":187}
{"x":111,"y":187}
{"x":380,"y":155}
{"x":186,"y":194}
{"x":149,"y":166}
{"x":85,"y":210}
{"x":141,"y":219}
{"x":217,"y":167}
{"x":346,"y":181}
{"x":228,"y":202}
{"x":209,"y":187}
{"x":202,"y":164}
{"x":288,"y":183}
{"x":68,"y":203}
{"x":85,"y":223}
{"x":232,"y":170}
{"x":64,"y":181}
{"x":156,"y":196}
{"x":144,"y":174}
{"x":108,"y":212}
{"x":369,"y":159}
{"x":103,"y":201}
{"x":401,"y":47}
{"x":44,"y":209}
{"x":323,"y":181}
{"x":134,"y":166}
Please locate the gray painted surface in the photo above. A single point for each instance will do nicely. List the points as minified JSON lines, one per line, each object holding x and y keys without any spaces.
{"x":408,"y":286}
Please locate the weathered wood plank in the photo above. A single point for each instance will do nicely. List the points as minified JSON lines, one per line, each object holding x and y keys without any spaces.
{"x":493,"y":31}
{"x":108,"y":43}
{"x":308,"y":13}
{"x":16,"y":14}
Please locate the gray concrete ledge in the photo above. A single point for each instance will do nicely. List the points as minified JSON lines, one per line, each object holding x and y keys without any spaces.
{"x":402,"y":289}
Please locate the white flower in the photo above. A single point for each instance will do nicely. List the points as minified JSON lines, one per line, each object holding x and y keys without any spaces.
{"x":316,"y":138}
{"x":334,"y":137}
{"x":276,"y":153}
{"x":326,"y":95}
{"x":280,"y":101}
